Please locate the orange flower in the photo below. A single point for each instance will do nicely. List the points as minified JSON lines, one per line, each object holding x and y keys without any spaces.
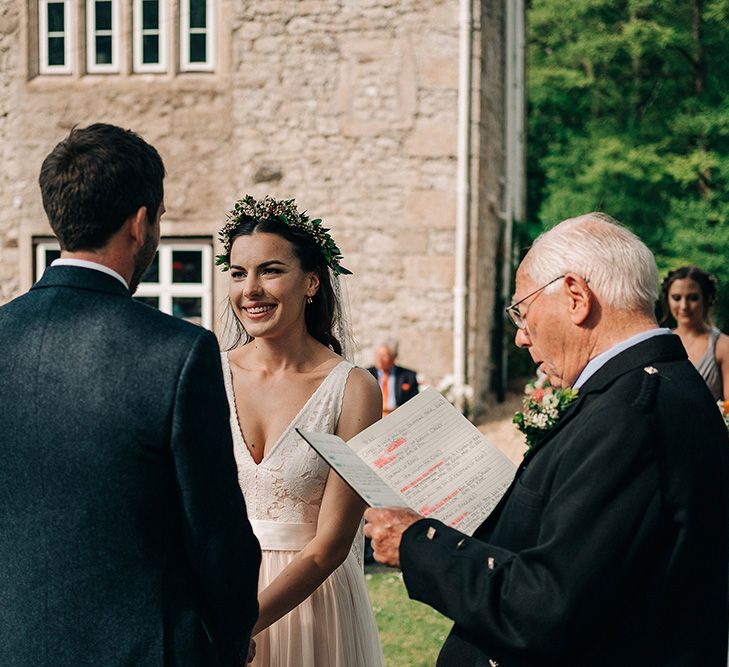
{"x":725,"y":407}
{"x":405,"y":386}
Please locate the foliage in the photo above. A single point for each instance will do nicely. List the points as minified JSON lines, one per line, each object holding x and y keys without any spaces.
{"x":411,"y":632}
{"x":629,"y":114}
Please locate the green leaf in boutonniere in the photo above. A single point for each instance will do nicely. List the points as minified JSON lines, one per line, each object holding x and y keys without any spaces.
{"x":544,"y":405}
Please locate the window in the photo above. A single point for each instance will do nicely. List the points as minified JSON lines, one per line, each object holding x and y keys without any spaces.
{"x":150,"y":36}
{"x":102,"y":36}
{"x":178,"y":282}
{"x":196,"y":35}
{"x":45,"y":253}
{"x":54,"y":36}
{"x":110,"y":43}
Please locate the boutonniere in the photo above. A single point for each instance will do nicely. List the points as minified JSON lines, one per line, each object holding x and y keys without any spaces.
{"x":405,"y":386}
{"x":544,"y":405}
{"x":724,"y":409}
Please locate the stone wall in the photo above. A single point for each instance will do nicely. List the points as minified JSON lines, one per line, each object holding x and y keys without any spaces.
{"x":350,"y":106}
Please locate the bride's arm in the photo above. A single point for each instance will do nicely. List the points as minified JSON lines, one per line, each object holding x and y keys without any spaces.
{"x":339,"y":516}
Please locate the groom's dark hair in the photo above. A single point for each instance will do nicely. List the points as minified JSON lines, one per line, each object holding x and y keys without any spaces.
{"x":94,"y":180}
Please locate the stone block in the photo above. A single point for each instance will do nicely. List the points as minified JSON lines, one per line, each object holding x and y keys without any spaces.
{"x":439,"y":72}
{"x":425,"y":272}
{"x":430,"y":208}
{"x":377,"y":92}
{"x":432,"y":139}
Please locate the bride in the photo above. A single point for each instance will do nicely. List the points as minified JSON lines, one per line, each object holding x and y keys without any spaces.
{"x":287,"y":373}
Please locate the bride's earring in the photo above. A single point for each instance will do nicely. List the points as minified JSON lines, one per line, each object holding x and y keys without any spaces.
{"x":309,"y":299}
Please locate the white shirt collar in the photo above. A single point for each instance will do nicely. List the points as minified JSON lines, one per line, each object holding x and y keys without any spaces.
{"x":601,"y":359}
{"x":87,"y":264}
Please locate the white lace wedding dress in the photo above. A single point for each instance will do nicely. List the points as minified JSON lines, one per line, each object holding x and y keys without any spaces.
{"x":335,"y":626}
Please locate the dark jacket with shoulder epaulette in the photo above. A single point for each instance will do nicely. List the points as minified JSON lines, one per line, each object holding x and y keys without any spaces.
{"x":611,"y":545}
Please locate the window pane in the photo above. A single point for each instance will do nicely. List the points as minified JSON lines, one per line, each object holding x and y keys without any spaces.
{"x":150,"y":14}
{"x":56,"y":54}
{"x":197,"y":13}
{"x":52,"y":255}
{"x":103,"y":15}
{"x":55,"y":17}
{"x":103,"y":50}
{"x":197,"y":48}
{"x":149,"y":300}
{"x":151,"y":275}
{"x":150,"y":49}
{"x":186,"y":266}
{"x":188,"y":308}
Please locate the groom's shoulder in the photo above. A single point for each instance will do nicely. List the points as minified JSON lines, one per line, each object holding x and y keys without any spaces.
{"x":157,"y":323}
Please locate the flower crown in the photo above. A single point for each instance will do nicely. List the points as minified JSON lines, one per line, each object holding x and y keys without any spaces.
{"x":284,"y":211}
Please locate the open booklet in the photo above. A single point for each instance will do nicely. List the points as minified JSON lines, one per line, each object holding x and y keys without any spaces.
{"x":426,"y":456}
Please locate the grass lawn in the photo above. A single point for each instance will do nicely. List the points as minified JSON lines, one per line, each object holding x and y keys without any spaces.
{"x":411,"y":633}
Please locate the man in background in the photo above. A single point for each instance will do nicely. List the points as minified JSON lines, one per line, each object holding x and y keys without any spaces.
{"x":397,"y":384}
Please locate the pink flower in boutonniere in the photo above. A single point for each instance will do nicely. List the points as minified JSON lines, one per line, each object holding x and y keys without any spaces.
{"x":544,"y":405}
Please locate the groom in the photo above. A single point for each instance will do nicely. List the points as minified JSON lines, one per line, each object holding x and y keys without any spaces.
{"x":610,"y":547}
{"x":123,"y":533}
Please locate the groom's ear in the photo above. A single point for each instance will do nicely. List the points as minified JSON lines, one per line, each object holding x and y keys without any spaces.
{"x":138,"y":226}
{"x":581,"y":300}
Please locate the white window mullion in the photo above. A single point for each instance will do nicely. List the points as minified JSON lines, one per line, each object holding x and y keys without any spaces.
{"x":55,"y":36}
{"x":102,"y":36}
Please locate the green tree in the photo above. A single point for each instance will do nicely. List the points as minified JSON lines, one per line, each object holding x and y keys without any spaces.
{"x":629,"y":114}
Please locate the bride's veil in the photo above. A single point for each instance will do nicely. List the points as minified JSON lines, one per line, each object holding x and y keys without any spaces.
{"x":343,"y":323}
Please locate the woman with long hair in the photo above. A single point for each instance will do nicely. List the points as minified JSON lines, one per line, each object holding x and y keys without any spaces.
{"x":285,"y":371}
{"x":687,"y":294}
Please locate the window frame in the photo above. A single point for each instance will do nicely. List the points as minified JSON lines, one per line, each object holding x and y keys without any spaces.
{"x":185,"y":31}
{"x":92,"y":67}
{"x":138,"y":35}
{"x":44,"y":35}
{"x":166,"y":290}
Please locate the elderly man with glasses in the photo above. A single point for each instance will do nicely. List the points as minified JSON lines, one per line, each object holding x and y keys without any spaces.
{"x":611,"y":545}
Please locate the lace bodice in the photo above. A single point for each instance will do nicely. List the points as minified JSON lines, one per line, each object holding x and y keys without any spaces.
{"x":288,"y":484}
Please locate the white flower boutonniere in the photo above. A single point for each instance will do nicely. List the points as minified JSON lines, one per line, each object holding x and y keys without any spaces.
{"x":544,"y":405}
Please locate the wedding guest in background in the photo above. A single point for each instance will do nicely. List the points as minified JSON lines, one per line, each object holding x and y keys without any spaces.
{"x":687,"y":295}
{"x":123,"y":533}
{"x":611,"y":545}
{"x":397,"y":384}
{"x":289,"y":373}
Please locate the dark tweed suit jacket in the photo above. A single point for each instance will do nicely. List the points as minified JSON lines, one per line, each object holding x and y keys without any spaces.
{"x":406,"y":383}
{"x":610,"y":547}
{"x":123,"y":533}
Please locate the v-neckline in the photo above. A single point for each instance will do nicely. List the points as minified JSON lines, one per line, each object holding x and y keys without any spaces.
{"x":287,"y":430}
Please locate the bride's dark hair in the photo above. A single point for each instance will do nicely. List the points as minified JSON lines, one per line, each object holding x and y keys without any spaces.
{"x":322,"y":314}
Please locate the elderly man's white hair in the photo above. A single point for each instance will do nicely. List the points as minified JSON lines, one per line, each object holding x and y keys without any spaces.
{"x":619,"y":267}
{"x":390,"y":343}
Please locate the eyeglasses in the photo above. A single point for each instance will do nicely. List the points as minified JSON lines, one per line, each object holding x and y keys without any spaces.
{"x":513,"y":310}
